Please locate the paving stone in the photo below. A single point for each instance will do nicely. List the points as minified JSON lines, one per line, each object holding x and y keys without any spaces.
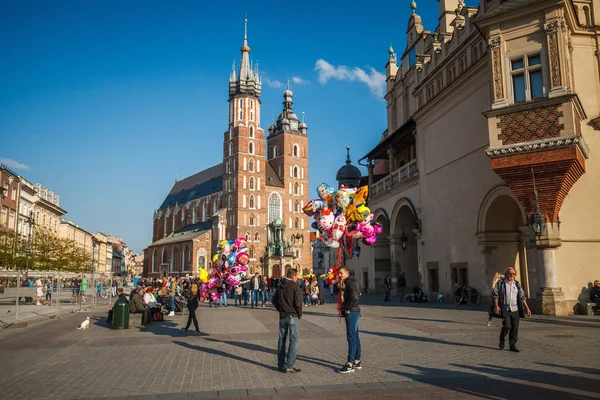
{"x":233,"y":393}
{"x":262,"y":391}
{"x":290,"y":390}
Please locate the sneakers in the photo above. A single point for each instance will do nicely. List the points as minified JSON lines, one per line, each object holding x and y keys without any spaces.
{"x":346,"y":369}
{"x":196,"y":332}
{"x":292,"y":370}
{"x":357,"y":365}
{"x":38,"y":304}
{"x":184,"y":330}
{"x":171,"y":314}
{"x":490,"y":324}
{"x":264,"y":305}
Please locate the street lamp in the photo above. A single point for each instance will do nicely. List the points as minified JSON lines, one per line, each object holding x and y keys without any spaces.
{"x":31,"y":222}
{"x":94,"y":244}
{"x":538,"y":220}
{"x":404,"y":240}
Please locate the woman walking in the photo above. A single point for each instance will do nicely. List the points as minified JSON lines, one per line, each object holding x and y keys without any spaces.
{"x":192,"y":305}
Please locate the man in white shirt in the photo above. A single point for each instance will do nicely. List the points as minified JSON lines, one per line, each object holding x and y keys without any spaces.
{"x":510,"y":302}
{"x":39,"y":292}
{"x":255,"y":287}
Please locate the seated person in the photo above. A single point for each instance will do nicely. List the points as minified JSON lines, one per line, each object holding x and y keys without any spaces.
{"x":136,"y":305}
{"x":150,"y":301}
{"x":595,"y":293}
{"x":120,"y":293}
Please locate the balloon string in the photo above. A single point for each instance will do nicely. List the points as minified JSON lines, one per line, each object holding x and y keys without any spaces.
{"x":339,"y":257}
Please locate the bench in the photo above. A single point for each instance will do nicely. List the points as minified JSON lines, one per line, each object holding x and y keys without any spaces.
{"x":588,"y":308}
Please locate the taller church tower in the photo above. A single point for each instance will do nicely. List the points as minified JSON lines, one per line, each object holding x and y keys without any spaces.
{"x":244,"y":152}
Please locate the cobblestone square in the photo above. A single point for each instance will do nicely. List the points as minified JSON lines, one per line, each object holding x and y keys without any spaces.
{"x":409,"y":351}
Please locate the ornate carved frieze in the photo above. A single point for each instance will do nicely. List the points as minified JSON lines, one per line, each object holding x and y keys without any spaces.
{"x":552,"y":28}
{"x":538,"y":145}
{"x":496,"y":55}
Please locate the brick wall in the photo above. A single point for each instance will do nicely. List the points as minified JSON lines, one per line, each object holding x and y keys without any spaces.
{"x":556,"y":171}
{"x":530,"y":125}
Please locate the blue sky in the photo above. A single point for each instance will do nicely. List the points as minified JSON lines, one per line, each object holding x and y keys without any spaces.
{"x":105,"y":102}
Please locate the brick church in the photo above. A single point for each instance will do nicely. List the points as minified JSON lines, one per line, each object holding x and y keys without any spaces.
{"x":257,"y":192}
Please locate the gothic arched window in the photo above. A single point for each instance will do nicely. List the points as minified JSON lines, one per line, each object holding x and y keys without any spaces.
{"x":296,"y":150}
{"x":251,"y":201}
{"x":274,"y":207}
{"x":296,"y":172}
{"x":251,"y":184}
{"x":251,"y":165}
{"x":295,"y":188}
{"x":251,"y":219}
{"x":251,"y":148}
{"x":229,"y":202}
{"x":230,"y":148}
{"x":296,"y":206}
{"x":257,"y":237}
{"x":155,"y":261}
{"x":165,"y":257}
{"x":186,"y":259}
{"x":175,"y":264}
{"x":275,"y":151}
{"x":296,"y":223}
{"x":251,"y":130}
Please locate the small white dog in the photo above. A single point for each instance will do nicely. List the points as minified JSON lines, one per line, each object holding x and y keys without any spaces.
{"x":85,"y":324}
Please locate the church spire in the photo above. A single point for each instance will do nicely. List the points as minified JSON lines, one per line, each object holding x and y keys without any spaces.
{"x":245,"y":68}
{"x":247,"y":80}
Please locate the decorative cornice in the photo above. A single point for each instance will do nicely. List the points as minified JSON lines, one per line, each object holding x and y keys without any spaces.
{"x":539,"y":145}
{"x":554,"y":25}
{"x":495,"y":41}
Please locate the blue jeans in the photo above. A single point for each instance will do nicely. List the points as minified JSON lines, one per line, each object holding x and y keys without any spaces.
{"x":265,"y":296}
{"x":254,"y":298}
{"x":287,"y":325}
{"x":223,"y":299}
{"x":245,"y":297}
{"x":172,"y":303}
{"x":352,"y":336}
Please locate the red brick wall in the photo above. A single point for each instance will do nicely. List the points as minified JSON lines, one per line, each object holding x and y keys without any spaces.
{"x":530,"y":125}
{"x":556,"y":171}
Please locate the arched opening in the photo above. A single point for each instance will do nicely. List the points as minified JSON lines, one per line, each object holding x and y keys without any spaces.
{"x":251,"y":184}
{"x":276,"y":271}
{"x":251,"y":148}
{"x":274,"y":207}
{"x":275,"y":151}
{"x":175,"y":263}
{"x":296,"y":206}
{"x":405,"y":248}
{"x":381,"y":251}
{"x":295,"y":171}
{"x":296,"y":151}
{"x":287,"y":268}
{"x":256,"y":237}
{"x":295,"y":188}
{"x":251,"y":165}
{"x":501,"y":218}
{"x":251,"y":201}
{"x":230,"y":148}
{"x":155,"y":261}
{"x":187,"y":265}
{"x":165,"y":256}
{"x":251,"y":130}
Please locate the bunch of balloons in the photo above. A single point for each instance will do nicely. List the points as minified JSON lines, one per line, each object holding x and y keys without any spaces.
{"x":227,"y":269}
{"x":343,"y":215}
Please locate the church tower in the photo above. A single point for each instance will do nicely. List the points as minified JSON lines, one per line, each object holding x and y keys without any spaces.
{"x":288,"y":157}
{"x":243,"y":153}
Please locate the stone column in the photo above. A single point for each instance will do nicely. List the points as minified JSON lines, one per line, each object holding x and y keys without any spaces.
{"x":391,"y":155}
{"x":421,"y":268}
{"x":551,"y":297}
{"x":395,"y":246}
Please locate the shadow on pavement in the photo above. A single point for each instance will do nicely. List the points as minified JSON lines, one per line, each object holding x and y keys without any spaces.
{"x":584,"y":370}
{"x":423,"y":339}
{"x":224,"y":354}
{"x":256,"y":347}
{"x":573,"y":322}
{"x":534,"y":386}
{"x":528,"y":375}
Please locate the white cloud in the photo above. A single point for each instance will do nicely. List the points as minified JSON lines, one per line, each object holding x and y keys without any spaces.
{"x":13,"y":164}
{"x":299,"y":81}
{"x":374,"y":79}
{"x":273,"y":84}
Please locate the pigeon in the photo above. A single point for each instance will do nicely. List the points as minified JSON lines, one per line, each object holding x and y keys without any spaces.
{"x":85,"y":324}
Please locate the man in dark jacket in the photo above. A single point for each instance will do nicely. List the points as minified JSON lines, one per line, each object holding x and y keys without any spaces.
{"x":288,"y":301}
{"x":388,"y":287}
{"x":595,"y":293}
{"x":136,"y":303}
{"x":510,"y":302}
{"x":350,"y":310}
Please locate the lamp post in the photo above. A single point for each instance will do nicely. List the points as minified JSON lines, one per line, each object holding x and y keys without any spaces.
{"x":31,"y":222}
{"x":538,"y":219}
{"x":404,"y":240}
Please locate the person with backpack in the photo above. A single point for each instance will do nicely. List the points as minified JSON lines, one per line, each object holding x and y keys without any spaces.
{"x":510,"y":302}
{"x":193,"y":298}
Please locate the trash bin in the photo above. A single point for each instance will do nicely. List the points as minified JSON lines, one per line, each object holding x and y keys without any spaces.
{"x":121,"y":314}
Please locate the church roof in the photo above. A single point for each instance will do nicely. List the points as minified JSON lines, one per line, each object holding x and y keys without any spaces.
{"x":272,"y":178}
{"x":187,"y":233}
{"x":348,"y":174}
{"x":504,"y":7}
{"x":200,"y":177}
{"x":196,"y":186}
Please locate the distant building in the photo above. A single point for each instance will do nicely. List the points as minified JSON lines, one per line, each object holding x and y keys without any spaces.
{"x":9,"y":198}
{"x":250,"y":194}
{"x":491,"y":120}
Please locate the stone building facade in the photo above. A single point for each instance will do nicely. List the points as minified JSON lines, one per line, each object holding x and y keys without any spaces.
{"x":489,"y":157}
{"x":263,"y":178}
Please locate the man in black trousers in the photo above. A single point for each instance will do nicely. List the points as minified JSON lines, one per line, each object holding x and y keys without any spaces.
{"x":510,"y":302}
